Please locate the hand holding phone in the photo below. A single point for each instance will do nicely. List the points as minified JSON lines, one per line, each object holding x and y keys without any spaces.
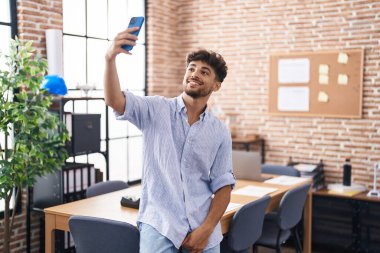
{"x":134,"y":22}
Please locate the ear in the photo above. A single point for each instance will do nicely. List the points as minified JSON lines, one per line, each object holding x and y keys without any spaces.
{"x":217,"y":86}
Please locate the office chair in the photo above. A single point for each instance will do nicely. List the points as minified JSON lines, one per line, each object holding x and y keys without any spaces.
{"x":280,"y":170}
{"x":246,"y":226}
{"x":279,"y":225}
{"x":97,"y":235}
{"x":105,"y":187}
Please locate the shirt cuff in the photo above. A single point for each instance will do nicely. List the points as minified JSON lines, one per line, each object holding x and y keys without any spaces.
{"x":120,"y":116}
{"x":124,"y":115}
{"x":222,"y":180}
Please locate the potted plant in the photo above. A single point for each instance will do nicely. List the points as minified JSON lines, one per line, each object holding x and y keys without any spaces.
{"x":33,"y":137}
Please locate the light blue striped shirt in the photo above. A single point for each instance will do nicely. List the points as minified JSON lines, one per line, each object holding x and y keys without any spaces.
{"x":183,"y":165}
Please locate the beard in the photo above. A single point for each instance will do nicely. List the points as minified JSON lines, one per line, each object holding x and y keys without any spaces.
{"x":201,"y":92}
{"x":198,"y":93}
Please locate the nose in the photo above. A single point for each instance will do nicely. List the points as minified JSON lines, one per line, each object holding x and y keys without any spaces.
{"x":194,"y":74}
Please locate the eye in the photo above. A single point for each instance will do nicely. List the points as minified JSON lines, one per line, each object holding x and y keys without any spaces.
{"x":205,"y":73}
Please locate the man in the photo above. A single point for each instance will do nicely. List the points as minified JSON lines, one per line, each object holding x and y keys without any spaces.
{"x":187,"y":170}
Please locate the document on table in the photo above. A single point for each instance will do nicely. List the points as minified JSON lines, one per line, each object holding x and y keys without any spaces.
{"x":305,"y":167}
{"x":231,"y":206}
{"x":286,"y":180}
{"x":254,"y":191}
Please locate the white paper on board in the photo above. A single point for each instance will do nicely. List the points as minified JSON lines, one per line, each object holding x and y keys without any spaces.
{"x":323,"y":69}
{"x":294,"y":70}
{"x":293,"y":99}
{"x":323,"y":79}
{"x":342,"y":79}
{"x":342,"y":58}
{"x":323,"y":97}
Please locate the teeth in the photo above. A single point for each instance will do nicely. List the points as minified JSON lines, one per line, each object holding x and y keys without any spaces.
{"x":192,"y":82}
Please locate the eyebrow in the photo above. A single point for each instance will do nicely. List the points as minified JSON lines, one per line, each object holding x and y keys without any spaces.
{"x":204,"y":68}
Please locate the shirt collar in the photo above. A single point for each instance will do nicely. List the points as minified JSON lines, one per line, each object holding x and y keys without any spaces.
{"x":181,"y":107}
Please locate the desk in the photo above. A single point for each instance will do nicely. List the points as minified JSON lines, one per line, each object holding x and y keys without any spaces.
{"x":108,"y":206}
{"x":246,"y":142}
{"x":349,"y":223}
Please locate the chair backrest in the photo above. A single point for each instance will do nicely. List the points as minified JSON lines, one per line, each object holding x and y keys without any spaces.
{"x":291,"y":207}
{"x":105,"y":187}
{"x":247,"y":224}
{"x":280,"y":170}
{"x":97,"y":235}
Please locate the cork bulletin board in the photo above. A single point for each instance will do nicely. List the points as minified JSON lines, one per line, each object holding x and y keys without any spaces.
{"x":316,"y":84}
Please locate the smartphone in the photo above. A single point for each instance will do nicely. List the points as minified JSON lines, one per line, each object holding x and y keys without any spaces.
{"x":135,"y":22}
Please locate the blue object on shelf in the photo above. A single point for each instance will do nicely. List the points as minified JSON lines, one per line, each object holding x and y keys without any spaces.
{"x":54,"y":84}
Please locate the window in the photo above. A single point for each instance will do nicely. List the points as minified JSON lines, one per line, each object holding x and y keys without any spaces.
{"x":8,"y":30}
{"x":8,"y":25}
{"x":88,"y":29}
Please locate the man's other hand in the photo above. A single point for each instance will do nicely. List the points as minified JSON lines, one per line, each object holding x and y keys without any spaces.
{"x":197,"y":240}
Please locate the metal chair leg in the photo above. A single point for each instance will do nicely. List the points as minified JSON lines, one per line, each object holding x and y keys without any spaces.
{"x":297,"y":240}
{"x":278,"y":243}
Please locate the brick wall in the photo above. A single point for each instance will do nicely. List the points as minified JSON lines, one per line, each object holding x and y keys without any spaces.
{"x":165,"y":61}
{"x":18,"y":240}
{"x":34,"y":17}
{"x":246,"y":33}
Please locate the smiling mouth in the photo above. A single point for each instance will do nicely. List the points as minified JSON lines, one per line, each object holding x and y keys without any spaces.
{"x":194,"y":83}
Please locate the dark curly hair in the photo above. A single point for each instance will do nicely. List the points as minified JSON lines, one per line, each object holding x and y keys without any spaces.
{"x":213,"y":59}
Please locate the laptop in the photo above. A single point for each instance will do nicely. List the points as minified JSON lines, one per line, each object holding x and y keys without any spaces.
{"x":247,"y":165}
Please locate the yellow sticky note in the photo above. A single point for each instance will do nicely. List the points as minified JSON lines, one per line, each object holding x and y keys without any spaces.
{"x":342,"y":79}
{"x":323,"y":69}
{"x":323,"y":79}
{"x":323,"y":97}
{"x":343,"y":58}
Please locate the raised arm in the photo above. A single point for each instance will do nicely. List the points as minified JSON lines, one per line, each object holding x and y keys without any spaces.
{"x":112,"y":92}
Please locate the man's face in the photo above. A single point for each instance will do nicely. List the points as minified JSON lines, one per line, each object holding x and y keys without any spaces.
{"x":200,"y":80}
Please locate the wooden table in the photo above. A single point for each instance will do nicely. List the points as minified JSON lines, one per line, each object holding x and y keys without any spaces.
{"x":108,"y":206}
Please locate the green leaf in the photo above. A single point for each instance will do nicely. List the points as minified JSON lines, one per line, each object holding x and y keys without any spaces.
{"x":38,"y":147}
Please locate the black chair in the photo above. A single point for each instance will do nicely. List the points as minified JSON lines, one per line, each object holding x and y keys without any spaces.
{"x":279,"y":225}
{"x":97,"y":235}
{"x":105,"y":187}
{"x":246,"y":226}
{"x":280,"y":170}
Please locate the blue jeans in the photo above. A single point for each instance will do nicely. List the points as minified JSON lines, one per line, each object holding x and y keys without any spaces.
{"x":151,"y":241}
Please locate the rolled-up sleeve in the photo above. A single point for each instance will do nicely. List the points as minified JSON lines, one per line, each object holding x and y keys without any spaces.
{"x":221,"y":173}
